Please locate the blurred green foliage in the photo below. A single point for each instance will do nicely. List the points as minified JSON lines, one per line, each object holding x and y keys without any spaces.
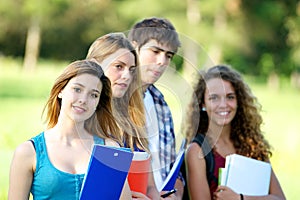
{"x":256,"y":37}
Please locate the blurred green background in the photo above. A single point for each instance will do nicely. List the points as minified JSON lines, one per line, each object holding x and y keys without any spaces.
{"x":261,"y":39}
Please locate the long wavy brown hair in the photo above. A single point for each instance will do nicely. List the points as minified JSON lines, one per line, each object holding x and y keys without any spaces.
{"x":246,"y":133}
{"x":129,"y":108}
{"x":102,"y":123}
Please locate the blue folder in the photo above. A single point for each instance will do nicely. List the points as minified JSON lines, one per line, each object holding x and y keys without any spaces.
{"x":106,"y":174}
{"x":170,"y":180}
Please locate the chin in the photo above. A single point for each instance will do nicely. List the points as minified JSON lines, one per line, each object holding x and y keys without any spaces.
{"x":151,"y":81}
{"x":224,"y":123}
{"x":118,"y":95}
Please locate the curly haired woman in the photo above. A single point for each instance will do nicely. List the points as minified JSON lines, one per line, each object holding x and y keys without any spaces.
{"x":228,"y":116}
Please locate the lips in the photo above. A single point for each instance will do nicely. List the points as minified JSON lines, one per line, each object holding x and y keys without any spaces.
{"x":79,"y":109}
{"x":122,"y":85}
{"x":156,"y":73}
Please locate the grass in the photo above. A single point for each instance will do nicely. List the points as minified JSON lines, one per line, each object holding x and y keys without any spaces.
{"x":23,"y":96}
{"x":281,"y":116}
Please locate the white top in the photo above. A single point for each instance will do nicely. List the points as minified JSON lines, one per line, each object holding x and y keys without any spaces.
{"x":153,"y":137}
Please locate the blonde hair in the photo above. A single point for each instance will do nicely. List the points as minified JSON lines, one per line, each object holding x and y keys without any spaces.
{"x":129,"y":108}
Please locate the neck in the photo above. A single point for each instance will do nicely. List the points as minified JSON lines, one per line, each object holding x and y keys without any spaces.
{"x":145,"y":87}
{"x":69,"y":128}
{"x":216,"y":133}
{"x":68,"y":137}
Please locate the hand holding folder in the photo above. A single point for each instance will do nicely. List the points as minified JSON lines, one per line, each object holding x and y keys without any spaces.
{"x":140,"y":168}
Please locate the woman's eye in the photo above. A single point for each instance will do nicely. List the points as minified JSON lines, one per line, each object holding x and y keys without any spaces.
{"x":231,"y":97}
{"x":77,"y":90}
{"x":95,"y":96}
{"x":119,"y":66}
{"x":213,"y":98}
{"x":132,"y":69}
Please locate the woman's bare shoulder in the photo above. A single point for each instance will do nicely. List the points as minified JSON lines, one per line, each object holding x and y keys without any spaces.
{"x":25,"y":149}
{"x":194,"y":148}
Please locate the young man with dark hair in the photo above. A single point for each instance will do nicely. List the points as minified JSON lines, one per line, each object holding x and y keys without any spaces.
{"x":156,"y":42}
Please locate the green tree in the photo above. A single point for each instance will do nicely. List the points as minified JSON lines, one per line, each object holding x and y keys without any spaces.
{"x":266,"y":30}
{"x":256,"y":37}
{"x":12,"y":27}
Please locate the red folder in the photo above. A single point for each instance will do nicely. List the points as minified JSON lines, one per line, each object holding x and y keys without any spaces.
{"x":138,"y":172}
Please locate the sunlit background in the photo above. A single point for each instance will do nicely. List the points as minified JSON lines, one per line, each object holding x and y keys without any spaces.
{"x":261,"y":39}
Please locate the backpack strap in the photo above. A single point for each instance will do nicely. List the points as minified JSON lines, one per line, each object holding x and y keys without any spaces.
{"x":201,"y":140}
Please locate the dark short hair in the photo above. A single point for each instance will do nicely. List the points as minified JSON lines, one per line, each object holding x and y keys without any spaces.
{"x":159,"y":29}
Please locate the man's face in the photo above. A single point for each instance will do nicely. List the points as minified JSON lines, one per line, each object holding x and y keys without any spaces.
{"x":154,"y":59}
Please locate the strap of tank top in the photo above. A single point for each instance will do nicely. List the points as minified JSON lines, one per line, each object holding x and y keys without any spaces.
{"x":98,"y":140}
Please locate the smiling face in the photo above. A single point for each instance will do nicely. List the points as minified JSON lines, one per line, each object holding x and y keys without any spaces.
{"x":120,"y":68}
{"x":220,"y":102}
{"x":80,"y":97}
{"x":154,"y":59}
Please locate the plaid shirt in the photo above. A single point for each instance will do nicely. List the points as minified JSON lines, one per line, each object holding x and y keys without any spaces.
{"x":167,"y":147}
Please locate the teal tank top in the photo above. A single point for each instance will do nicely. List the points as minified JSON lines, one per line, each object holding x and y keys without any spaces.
{"x":48,"y":181}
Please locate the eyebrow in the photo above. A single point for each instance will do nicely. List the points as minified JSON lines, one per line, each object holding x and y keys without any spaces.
{"x":94,"y":90}
{"x":163,"y":50}
{"x":230,"y":93}
{"x":122,"y":63}
{"x":118,"y":62}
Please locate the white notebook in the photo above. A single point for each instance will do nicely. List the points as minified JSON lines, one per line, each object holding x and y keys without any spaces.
{"x":246,"y":175}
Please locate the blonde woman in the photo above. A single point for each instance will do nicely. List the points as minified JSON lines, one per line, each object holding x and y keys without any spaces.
{"x":119,"y":61}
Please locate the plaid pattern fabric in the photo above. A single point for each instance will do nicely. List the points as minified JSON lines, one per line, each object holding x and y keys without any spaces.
{"x":167,"y":148}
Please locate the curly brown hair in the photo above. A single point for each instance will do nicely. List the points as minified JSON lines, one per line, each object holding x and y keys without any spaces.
{"x":246,"y":133}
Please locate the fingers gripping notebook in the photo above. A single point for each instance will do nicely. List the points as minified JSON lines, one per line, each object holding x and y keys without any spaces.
{"x":107,"y":172}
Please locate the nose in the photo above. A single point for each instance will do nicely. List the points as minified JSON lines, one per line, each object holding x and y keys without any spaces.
{"x":162,"y":59}
{"x":223,"y":102}
{"x":83,"y":98}
{"x":126,"y":75}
